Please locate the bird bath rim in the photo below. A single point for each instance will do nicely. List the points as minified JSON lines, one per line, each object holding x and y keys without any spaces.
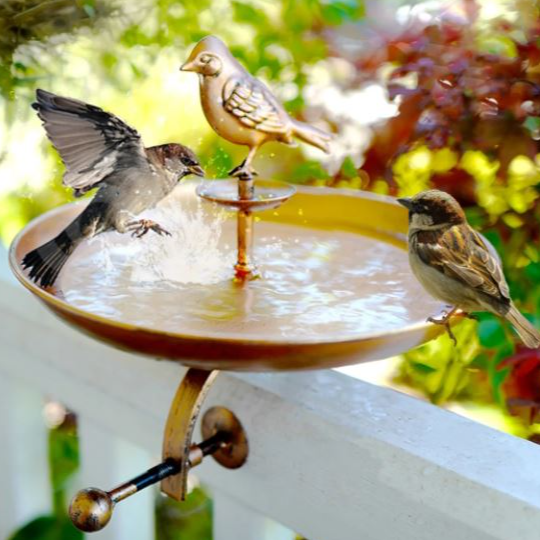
{"x":236,"y":351}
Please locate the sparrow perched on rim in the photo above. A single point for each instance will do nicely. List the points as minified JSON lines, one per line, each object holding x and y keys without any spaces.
{"x":100,"y":150}
{"x":455,"y":265}
{"x":241,"y":108}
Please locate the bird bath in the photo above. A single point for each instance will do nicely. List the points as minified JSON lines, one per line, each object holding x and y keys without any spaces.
{"x":335,"y":285}
{"x":334,"y":288}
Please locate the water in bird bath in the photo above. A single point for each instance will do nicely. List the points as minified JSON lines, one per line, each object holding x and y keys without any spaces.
{"x":315,"y":283}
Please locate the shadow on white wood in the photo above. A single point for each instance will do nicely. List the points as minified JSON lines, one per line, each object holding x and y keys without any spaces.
{"x":232,"y":520}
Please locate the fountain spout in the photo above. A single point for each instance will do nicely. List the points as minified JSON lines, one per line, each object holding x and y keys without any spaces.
{"x":246,"y":195}
{"x":244,"y":268}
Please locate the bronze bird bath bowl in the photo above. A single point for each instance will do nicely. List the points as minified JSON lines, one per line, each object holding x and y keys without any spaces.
{"x":334,"y":288}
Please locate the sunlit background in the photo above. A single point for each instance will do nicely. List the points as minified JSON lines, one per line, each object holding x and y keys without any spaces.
{"x":429,"y":94}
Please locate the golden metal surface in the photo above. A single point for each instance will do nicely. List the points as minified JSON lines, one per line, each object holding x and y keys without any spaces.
{"x":91,"y":509}
{"x":183,"y":414}
{"x":123,"y":492}
{"x":245,"y":268}
{"x":221,"y":420}
{"x":196,"y":456}
{"x":267,"y":194}
{"x":356,"y":212}
{"x":239,"y":107}
{"x":246,"y":195}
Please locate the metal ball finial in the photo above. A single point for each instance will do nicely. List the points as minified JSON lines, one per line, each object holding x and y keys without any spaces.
{"x":91,"y":509}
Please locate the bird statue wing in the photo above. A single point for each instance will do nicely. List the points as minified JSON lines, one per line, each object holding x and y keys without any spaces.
{"x":91,"y":142}
{"x":461,"y":254}
{"x":253,"y":105}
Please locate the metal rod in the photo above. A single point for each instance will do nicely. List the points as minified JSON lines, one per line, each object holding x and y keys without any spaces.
{"x":169,"y":467}
{"x":218,"y":441}
{"x":244,"y":267}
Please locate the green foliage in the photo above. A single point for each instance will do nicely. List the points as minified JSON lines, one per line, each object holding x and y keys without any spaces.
{"x":48,"y":528}
{"x":440,"y":369}
{"x":35,"y":21}
{"x":64,"y":462}
{"x":191,"y":519}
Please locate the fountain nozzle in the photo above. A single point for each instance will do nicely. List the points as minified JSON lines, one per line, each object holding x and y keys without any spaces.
{"x":246,"y":195}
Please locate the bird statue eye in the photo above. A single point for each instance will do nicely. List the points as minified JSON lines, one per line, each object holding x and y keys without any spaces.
{"x":205,"y":58}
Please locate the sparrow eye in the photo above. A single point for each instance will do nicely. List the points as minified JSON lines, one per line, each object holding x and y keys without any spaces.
{"x":189,"y":162}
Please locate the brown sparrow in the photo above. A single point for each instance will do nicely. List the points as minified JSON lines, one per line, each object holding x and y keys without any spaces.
{"x":454,"y":263}
{"x":100,"y":150}
{"x":241,"y":108}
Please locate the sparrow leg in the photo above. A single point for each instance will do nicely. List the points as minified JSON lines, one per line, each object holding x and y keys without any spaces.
{"x":245,"y":169}
{"x":445,"y":321}
{"x":139,"y":228}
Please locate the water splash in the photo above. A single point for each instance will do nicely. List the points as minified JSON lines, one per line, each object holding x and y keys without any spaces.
{"x":317,"y":284}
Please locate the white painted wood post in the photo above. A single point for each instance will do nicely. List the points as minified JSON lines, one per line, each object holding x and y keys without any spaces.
{"x":233,"y":520}
{"x":106,"y":461}
{"x":25,"y":491}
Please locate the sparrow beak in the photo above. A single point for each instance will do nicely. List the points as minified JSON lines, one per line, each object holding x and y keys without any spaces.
{"x":188,"y":66}
{"x":197,"y":170}
{"x":406,"y":202}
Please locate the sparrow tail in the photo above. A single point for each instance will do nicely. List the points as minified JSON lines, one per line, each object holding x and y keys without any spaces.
{"x":526,"y":331}
{"x":312,"y":135}
{"x":46,"y":261}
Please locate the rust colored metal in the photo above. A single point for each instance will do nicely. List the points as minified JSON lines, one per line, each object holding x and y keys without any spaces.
{"x":233,"y":453}
{"x":183,"y":415}
{"x":91,"y":509}
{"x":245,"y":268}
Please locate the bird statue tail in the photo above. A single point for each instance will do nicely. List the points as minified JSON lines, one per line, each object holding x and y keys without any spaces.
{"x":312,"y":135}
{"x":526,"y":331}
{"x":46,"y":261}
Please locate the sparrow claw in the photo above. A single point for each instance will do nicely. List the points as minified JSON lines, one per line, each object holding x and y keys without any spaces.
{"x":445,"y":321}
{"x":141,"y":227}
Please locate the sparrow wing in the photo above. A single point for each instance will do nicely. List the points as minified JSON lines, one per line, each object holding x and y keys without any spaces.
{"x":250,"y":101}
{"x":91,"y":142}
{"x":461,"y":254}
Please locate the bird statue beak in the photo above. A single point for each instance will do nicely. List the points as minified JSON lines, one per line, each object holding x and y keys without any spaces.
{"x":406,"y":202}
{"x":197,"y":170}
{"x":188,"y":66}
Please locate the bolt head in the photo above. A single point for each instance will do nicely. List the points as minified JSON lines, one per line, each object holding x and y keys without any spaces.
{"x":91,"y":509}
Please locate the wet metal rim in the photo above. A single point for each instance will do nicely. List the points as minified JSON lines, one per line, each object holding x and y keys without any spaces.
{"x":235,"y":352}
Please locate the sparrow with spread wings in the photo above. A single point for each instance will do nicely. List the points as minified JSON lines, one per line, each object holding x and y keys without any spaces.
{"x":240,"y":108}
{"x":100,"y":151}
{"x":454,"y":264}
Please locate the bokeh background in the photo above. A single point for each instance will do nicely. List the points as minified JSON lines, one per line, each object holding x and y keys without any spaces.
{"x":438,"y":93}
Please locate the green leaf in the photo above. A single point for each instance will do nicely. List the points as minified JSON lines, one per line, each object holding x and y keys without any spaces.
{"x":48,"y":528}
{"x":245,"y":12}
{"x":422,"y":368}
{"x":336,"y":12}
{"x":309,"y":170}
{"x":491,"y":333}
{"x":532,"y":123}
{"x":348,"y":169}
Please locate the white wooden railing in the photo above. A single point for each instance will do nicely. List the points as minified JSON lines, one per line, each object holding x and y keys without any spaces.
{"x":331,"y":457}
